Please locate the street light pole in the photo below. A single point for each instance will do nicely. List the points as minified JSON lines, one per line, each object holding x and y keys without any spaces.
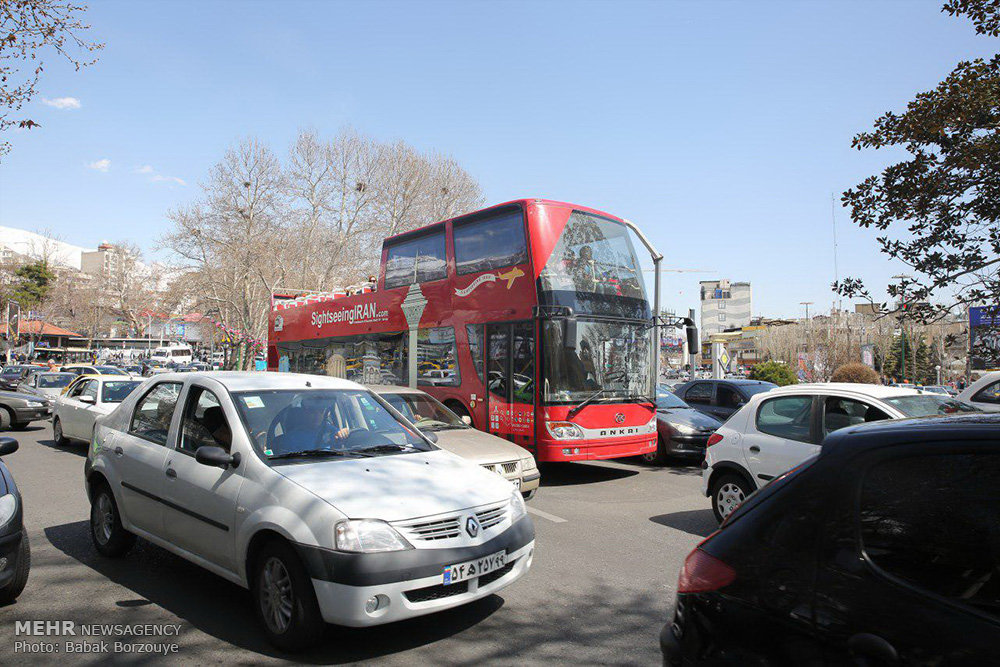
{"x":902,"y":320}
{"x":809,"y":329}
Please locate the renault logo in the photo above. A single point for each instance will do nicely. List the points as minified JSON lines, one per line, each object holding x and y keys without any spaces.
{"x":472,"y":526}
{"x":620,"y":417}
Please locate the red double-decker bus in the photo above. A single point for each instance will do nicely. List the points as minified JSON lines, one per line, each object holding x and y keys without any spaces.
{"x":529,"y":317}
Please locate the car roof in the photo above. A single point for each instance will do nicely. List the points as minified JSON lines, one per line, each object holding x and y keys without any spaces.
{"x":968,"y":428}
{"x":871,"y":390}
{"x":262,"y":380}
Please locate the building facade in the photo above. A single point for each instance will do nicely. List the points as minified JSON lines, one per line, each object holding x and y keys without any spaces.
{"x":724,"y":305}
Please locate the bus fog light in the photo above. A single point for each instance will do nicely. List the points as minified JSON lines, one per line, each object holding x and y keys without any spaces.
{"x":567,"y":451}
{"x":376,"y":602}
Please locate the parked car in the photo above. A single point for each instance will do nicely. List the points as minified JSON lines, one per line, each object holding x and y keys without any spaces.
{"x":18,"y":410}
{"x":151,"y":367}
{"x":778,"y":430}
{"x":15,"y":552}
{"x":683,"y":431}
{"x":880,"y":551}
{"x":133,"y":369}
{"x":944,"y":390}
{"x":12,"y":375}
{"x":720,"y":398}
{"x":45,"y":383}
{"x":86,"y":369}
{"x":308,"y":490}
{"x":510,"y":461}
{"x":984,"y":393}
{"x":75,"y":412}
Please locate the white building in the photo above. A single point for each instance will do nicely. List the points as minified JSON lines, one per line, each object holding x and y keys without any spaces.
{"x":724,"y":305}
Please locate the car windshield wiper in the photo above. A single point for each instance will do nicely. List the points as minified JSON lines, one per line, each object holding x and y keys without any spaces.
{"x":584,"y":403}
{"x":375,"y":449}
{"x":316,"y":452}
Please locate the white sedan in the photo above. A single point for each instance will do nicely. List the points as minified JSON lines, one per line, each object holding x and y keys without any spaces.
{"x":984,"y":393}
{"x":86,"y":399}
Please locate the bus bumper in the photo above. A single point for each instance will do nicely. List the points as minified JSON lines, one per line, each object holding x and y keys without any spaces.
{"x":594,"y":450}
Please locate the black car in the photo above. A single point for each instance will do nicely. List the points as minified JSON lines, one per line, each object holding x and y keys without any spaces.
{"x":15,"y":553}
{"x":884,"y":549}
{"x":12,"y":375}
{"x":720,"y":398}
{"x":683,"y":431}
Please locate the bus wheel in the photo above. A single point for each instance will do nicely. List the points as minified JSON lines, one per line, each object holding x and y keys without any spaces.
{"x":459,"y":409}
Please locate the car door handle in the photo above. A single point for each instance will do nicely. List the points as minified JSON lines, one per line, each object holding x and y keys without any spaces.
{"x":119,"y":451}
{"x":171,"y":473}
{"x":755,"y":449}
{"x":871,"y":649}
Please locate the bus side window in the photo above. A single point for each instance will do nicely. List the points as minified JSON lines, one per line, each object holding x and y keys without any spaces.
{"x":416,"y":260}
{"x":475,"y":335}
{"x":489,"y":244}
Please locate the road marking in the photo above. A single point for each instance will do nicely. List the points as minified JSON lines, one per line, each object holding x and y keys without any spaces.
{"x":545,"y":515}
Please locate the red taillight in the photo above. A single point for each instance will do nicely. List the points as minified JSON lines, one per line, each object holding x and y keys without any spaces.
{"x":702,"y":573}
{"x":714,"y":439}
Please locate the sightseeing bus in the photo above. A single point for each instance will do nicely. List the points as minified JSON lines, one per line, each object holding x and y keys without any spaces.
{"x":529,"y":319}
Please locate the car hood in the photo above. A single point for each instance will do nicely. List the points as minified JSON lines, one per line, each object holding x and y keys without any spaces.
{"x":398,"y":486}
{"x":689,"y":417}
{"x":16,"y":395}
{"x":481,"y":448}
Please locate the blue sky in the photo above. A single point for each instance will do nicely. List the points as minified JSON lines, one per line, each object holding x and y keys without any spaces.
{"x":722,"y":128}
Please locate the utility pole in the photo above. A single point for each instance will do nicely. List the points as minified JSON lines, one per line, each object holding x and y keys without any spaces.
{"x":902,"y":321}
{"x":808,"y":329}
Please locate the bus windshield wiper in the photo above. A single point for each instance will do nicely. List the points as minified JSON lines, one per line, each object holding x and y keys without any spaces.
{"x":584,"y":403}
{"x":315,"y":452}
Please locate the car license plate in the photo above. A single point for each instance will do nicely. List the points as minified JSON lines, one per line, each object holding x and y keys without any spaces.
{"x":474,"y":568}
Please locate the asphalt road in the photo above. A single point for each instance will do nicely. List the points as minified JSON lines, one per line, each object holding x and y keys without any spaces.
{"x":611,"y":538}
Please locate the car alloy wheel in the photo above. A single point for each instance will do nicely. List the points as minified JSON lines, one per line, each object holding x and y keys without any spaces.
{"x":729,"y":497}
{"x":277,"y":599}
{"x":103,"y":519}
{"x":57,"y":432}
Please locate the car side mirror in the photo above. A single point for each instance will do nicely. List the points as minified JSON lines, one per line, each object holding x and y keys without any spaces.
{"x":87,"y":399}
{"x":467,"y":420}
{"x":7,"y":446}
{"x":216,"y":456}
{"x":430,"y":435}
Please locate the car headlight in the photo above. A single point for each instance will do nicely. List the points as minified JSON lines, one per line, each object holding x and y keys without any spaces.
{"x":684,"y":429}
{"x":35,"y":404}
{"x":528,"y":463}
{"x":517,"y":509}
{"x":564,"y":430}
{"x":8,"y":505}
{"x":369,"y":536}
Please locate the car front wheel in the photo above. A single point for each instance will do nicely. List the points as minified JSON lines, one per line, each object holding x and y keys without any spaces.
{"x":57,"y":432}
{"x":284,"y":598}
{"x":728,"y":492}
{"x":106,"y":530}
{"x":16,"y":585}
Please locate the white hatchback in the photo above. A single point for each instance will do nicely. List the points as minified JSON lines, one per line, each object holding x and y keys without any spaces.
{"x":984,"y":393}
{"x":779,"y":429}
{"x":310,"y":491}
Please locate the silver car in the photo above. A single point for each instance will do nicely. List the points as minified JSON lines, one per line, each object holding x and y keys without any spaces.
{"x":47,"y":384}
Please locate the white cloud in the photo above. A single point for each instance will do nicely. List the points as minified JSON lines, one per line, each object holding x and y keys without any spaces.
{"x":63,"y":103}
{"x":144,"y":169}
{"x":160,"y":178}
{"x":100,"y":165}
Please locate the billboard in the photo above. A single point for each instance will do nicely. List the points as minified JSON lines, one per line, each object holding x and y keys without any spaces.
{"x":984,"y":337}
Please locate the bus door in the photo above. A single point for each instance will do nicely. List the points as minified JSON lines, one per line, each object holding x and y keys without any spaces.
{"x":510,"y":381}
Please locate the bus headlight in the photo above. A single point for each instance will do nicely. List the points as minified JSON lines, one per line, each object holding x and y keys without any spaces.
{"x":564,"y":430}
{"x":368,"y":536}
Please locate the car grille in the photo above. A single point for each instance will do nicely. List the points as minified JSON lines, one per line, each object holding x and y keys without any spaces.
{"x":505,"y":469}
{"x":437,"y":592}
{"x":489,"y":578}
{"x":429,"y":531}
{"x":490,"y":517}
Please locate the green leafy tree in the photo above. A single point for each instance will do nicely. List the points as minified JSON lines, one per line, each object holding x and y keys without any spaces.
{"x":773,"y":371}
{"x":33,"y":282}
{"x":939,"y":210}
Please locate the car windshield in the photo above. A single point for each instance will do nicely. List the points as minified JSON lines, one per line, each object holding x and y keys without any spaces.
{"x":425,"y":411}
{"x":614,"y":357}
{"x":110,"y":370}
{"x":666,"y":400}
{"x":925,"y":405}
{"x":55,"y":380}
{"x":292,"y":423}
{"x":116,"y":391}
{"x":13,"y":370}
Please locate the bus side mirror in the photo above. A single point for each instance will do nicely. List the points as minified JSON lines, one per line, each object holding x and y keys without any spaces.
{"x":569,"y":334}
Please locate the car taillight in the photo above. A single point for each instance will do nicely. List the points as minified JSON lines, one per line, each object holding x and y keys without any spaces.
{"x":702,"y":573}
{"x":715,"y":438}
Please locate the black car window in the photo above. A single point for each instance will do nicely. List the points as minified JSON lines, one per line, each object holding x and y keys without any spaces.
{"x":786,"y":417}
{"x":153,"y":412}
{"x":843,"y":412}
{"x":728,"y":397}
{"x":699,"y":393}
{"x":933,"y":520}
{"x":988,"y":394}
{"x":205,"y":423}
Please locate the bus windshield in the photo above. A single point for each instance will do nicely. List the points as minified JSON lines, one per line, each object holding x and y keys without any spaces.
{"x":611,"y":356}
{"x":594,"y":269}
